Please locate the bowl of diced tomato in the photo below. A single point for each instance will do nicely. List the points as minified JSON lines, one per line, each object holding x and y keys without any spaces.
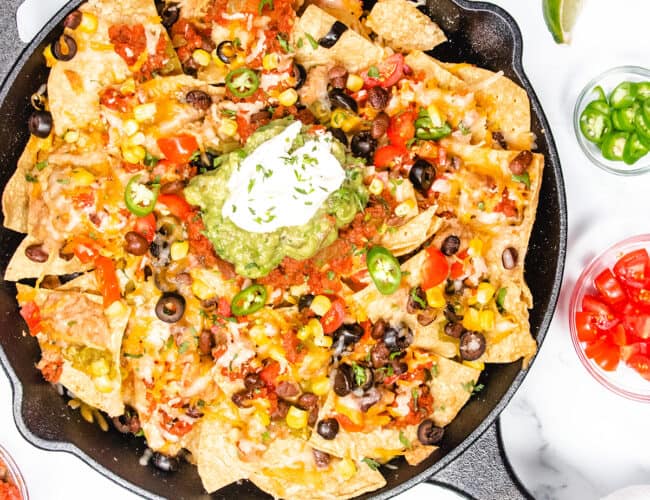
{"x":610,"y":318}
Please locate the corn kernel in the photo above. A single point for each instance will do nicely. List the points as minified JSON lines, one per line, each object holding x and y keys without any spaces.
{"x":320,"y":305}
{"x":323,"y":341}
{"x":477,"y":365}
{"x":179,"y":250}
{"x":134,"y":154}
{"x":484,"y":293}
{"x":475,"y":247}
{"x":338,"y":117}
{"x":270,"y":61}
{"x":276,"y":353}
{"x":115,"y":310}
{"x":50,"y":60}
{"x":137,"y":139}
{"x":303,"y":333}
{"x":103,"y":384}
{"x":87,"y":413}
{"x":201,"y":57}
{"x":376,"y":186}
{"x":258,"y":335}
{"x":471,"y":319}
{"x":130,"y":127}
{"x":435,"y":297}
{"x":351,"y":123}
{"x":346,"y":469}
{"x":320,"y":111}
{"x":288,"y":97}
{"x":128,"y":87}
{"x":297,"y":418}
{"x":263,"y":417}
{"x":486,"y":320}
{"x":201,"y":289}
{"x":228,"y":127}
{"x":434,"y":114}
{"x":71,"y":136}
{"x":320,"y":386}
{"x":101,"y":421}
{"x":354,"y":83}
{"x":80,"y":177}
{"x":145,"y":112}
{"x":88,"y":22}
{"x":404,"y":208}
{"x":99,"y":368}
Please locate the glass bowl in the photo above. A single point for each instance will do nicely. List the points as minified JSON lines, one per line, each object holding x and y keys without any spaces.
{"x":10,"y":473}
{"x":608,"y":81}
{"x":624,"y":381}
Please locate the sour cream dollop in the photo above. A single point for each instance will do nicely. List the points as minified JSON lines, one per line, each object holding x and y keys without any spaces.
{"x":272,"y":188}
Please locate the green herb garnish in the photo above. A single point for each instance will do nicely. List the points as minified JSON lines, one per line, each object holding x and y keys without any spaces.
{"x":373,"y":464}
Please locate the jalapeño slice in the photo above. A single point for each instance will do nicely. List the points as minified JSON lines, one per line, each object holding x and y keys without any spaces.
{"x":139,"y":197}
{"x":242,"y":82}
{"x":384,"y":270}
{"x":594,"y":124}
{"x":249,"y":300}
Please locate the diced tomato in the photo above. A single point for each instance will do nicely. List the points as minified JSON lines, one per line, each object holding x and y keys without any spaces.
{"x":146,"y":226}
{"x":32,"y":316}
{"x":635,"y":348}
{"x":177,"y":205}
{"x":605,"y":317}
{"x":85,"y":248}
{"x":178,"y":149}
{"x":347,"y":423}
{"x":641,"y":323}
{"x":389,"y":156}
{"x":270,"y":373}
{"x":640,"y":297}
{"x":609,"y":287}
{"x":604,"y":353}
{"x":180,"y":428}
{"x":390,"y":71}
{"x":223,"y":307}
{"x":436,"y":268}
{"x":618,"y":335}
{"x":586,"y":326}
{"x":107,"y":278}
{"x":632,"y":268}
{"x":641,"y":363}
{"x":457,"y":270}
{"x":401,"y":129}
{"x":333,"y":318}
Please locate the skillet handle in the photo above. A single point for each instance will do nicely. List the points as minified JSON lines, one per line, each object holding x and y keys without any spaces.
{"x":483,"y":472}
{"x":10,"y":42}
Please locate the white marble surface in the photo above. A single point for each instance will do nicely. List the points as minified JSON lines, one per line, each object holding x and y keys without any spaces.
{"x":568,"y":438}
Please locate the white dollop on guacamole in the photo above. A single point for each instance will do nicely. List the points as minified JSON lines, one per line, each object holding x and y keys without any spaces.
{"x":273,"y":187}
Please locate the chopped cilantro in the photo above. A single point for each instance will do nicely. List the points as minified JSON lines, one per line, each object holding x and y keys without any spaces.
{"x":394,"y":355}
{"x":472,"y":387}
{"x":299,"y":43}
{"x":373,"y":72}
{"x":405,"y":442}
{"x":262,"y":4}
{"x":463,"y":128}
{"x":415,"y":395}
{"x":41,"y":165}
{"x":150,"y":160}
{"x":30,"y":178}
{"x":200,"y":403}
{"x":373,"y":464}
{"x":129,"y":355}
{"x":415,"y":297}
{"x":434,"y":370}
{"x":312,"y":42}
{"x":266,"y":437}
{"x":331,"y":275}
{"x":500,"y":299}
{"x":182,"y":349}
{"x":283,"y":43}
{"x":481,"y":205}
{"x":170,"y":342}
{"x":523,"y":178}
{"x":229,"y":112}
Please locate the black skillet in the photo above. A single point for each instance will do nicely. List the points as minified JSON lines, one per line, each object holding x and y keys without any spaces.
{"x":479,"y":33}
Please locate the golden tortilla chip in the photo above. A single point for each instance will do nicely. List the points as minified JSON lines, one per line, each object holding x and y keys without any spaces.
{"x":451,"y":386}
{"x":351,"y":50}
{"x":86,"y":338}
{"x":434,"y":70}
{"x":408,"y":237}
{"x":403,"y":27}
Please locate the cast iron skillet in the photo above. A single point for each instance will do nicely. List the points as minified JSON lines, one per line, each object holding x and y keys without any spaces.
{"x":479,"y":33}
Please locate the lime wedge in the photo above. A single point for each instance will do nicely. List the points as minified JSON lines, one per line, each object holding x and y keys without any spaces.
{"x":560,"y":17}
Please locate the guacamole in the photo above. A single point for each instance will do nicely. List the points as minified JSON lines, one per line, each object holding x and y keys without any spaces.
{"x":255,"y":253}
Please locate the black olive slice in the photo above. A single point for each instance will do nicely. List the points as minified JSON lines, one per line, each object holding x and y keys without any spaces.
{"x":333,"y":35}
{"x":343,"y":380}
{"x":351,"y":333}
{"x":170,"y":307}
{"x":64,"y":48}
{"x":300,"y":74}
{"x":429,"y":434}
{"x":450,"y":245}
{"x":328,"y":428}
{"x":40,"y":124}
{"x":340,"y":99}
{"x":226,"y":51}
{"x":169,"y":14}
{"x":422,"y":175}
{"x":339,"y":135}
{"x":165,"y":463}
{"x":363,"y":145}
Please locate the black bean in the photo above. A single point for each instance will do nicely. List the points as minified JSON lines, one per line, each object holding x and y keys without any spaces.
{"x":521,"y":162}
{"x":261,"y":117}
{"x":351,"y":333}
{"x":165,"y":463}
{"x":253,"y":381}
{"x":173,"y":187}
{"x":279,"y":412}
{"x":338,"y":76}
{"x":193,"y":412}
{"x":305,"y":301}
{"x":455,"y":330}
{"x":307,"y":401}
{"x":332,"y":36}
{"x":206,"y":342}
{"x":136,"y":244}
{"x":340,"y":99}
{"x":321,"y":459}
{"x":472,"y":345}
{"x":313,"y":416}
{"x":417,"y":300}
{"x":426,"y":318}
{"x":199,"y":99}
{"x":287,"y":389}
{"x":127,"y":423}
{"x":509,"y":258}
{"x":339,"y":135}
{"x":328,"y":428}
{"x":500,"y":140}
{"x":378,"y":328}
{"x":398,"y":339}
{"x":379,"y":355}
{"x":422,"y":175}
{"x":368,"y":400}
{"x":399,"y":367}
{"x":40,"y":124}
{"x":450,"y":313}
{"x":379,"y":125}
{"x":343,"y":380}
{"x":378,"y":97}
{"x":363,"y":145}
{"x":429,"y":434}
{"x":170,"y":307}
{"x":169,"y":13}
{"x":300,"y":74}
{"x":64,"y":48}
{"x":226,"y":51}
{"x":242,"y":398}
{"x":36,"y":253}
{"x":73,"y":20}
{"x":450,"y":245}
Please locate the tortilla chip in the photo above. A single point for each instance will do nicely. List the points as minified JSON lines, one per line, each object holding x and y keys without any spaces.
{"x":414,"y":233}
{"x":434,"y":70}
{"x":20,"y":267}
{"x":451,"y":386}
{"x":506,"y":103}
{"x":403,"y":27}
{"x":418,"y":454}
{"x":351,"y":50}
{"x":73,"y":320}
